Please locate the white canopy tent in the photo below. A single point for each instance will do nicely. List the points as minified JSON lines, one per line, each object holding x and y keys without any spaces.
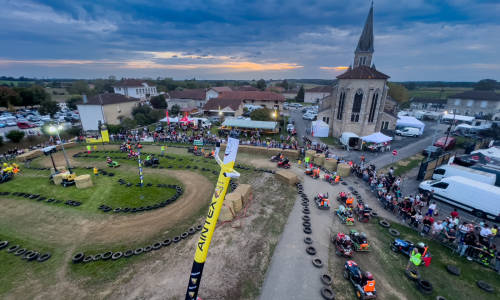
{"x":406,"y":121}
{"x":320,"y":128}
{"x":377,"y":138}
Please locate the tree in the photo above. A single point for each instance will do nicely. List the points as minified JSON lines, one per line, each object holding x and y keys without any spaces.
{"x":284,"y":84}
{"x":144,"y":115}
{"x":486,"y":85}
{"x":158,"y":102}
{"x":261,"y":84}
{"x":262,"y":114}
{"x":79,"y":87}
{"x":71,"y":102}
{"x":9,"y":97}
{"x":128,"y":123}
{"x":398,"y":92}
{"x":48,"y":107}
{"x":33,"y":95}
{"x":174,"y":110}
{"x":300,"y":94}
{"x":15,"y":136}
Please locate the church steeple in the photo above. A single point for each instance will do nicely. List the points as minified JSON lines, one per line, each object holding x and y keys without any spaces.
{"x":364,"y":50}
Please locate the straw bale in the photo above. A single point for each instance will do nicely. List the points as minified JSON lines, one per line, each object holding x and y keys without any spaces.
{"x":343,"y":170}
{"x":287,"y":177}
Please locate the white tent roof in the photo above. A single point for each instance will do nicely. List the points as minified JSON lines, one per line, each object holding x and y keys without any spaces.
{"x":242,"y":123}
{"x":406,"y":121}
{"x":376,"y":137}
{"x":320,"y":128}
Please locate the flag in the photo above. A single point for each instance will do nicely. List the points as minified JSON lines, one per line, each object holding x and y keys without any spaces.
{"x":168,"y":119}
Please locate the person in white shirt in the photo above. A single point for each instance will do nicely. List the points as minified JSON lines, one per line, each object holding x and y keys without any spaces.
{"x":432,"y":208}
{"x":437,"y":227}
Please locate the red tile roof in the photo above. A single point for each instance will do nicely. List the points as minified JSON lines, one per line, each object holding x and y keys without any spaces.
{"x":245,"y":88}
{"x":251,"y":95}
{"x":195,"y":94}
{"x":220,"y":104}
{"x":221,"y":89}
{"x":363,"y":72}
{"x":130,"y":83}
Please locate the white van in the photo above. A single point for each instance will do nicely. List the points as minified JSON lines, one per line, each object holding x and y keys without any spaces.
{"x":409,"y":131}
{"x":350,"y":140}
{"x":202,"y":122}
{"x":479,"y":198}
{"x":456,"y":170}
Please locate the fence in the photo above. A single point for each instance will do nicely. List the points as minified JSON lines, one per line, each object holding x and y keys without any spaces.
{"x":427,"y":167}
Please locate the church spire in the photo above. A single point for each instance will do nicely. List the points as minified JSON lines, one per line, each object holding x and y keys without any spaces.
{"x":364,"y":50}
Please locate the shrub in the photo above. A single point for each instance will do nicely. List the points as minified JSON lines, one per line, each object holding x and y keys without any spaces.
{"x":15,"y":136}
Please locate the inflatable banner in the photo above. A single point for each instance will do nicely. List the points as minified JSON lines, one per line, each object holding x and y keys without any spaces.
{"x":207,"y":232}
{"x":104,"y":138}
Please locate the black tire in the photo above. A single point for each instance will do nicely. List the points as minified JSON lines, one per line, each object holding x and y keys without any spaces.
{"x":117,"y":255}
{"x":412,"y":274}
{"x":166,"y":242}
{"x":373,"y":214}
{"x":44,"y":257}
{"x":32,"y":256}
{"x":199,"y":227}
{"x":306,"y":218}
{"x":176,"y":239}
{"x":3,"y":244}
{"x":148,"y":248}
{"x":157,"y":246}
{"x":29,"y":252}
{"x":425,"y":286}
{"x":326,"y":279}
{"x":78,"y":257}
{"x":107,"y":255}
{"x":485,"y":286}
{"x":138,"y":251}
{"x":128,"y":253}
{"x":453,"y":270}
{"x":88,"y":259}
{"x":97,"y":257}
{"x":308,"y":240}
{"x":191,"y":230}
{"x":307,"y":230}
{"x":311,"y":250}
{"x":20,"y":251}
{"x":306,"y":211}
{"x":317,"y":262}
{"x":306,"y":224}
{"x":384,"y":223}
{"x":184,"y":235}
{"x":327,"y":293}
{"x":394,"y":232}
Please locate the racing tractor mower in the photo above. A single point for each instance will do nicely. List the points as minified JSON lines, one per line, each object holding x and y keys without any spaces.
{"x":345,"y":215}
{"x":332,"y":179}
{"x":322,"y":201}
{"x":364,"y":284}
{"x":277,"y":158}
{"x":359,"y":241}
{"x":406,"y":247}
{"x":363,"y":212}
{"x":313,"y":172}
{"x":285,"y":164}
{"x":343,"y":245}
{"x":68,"y":179}
{"x":111,"y":163}
{"x":152,"y":161}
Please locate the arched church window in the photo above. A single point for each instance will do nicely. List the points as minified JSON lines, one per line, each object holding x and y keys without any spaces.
{"x":356,"y":106}
{"x":373,"y":107}
{"x":340,"y":110}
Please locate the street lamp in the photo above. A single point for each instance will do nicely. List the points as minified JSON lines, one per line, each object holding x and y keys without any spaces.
{"x":56,"y":130}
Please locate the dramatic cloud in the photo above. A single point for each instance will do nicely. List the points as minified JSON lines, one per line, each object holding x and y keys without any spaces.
{"x":414,"y":39}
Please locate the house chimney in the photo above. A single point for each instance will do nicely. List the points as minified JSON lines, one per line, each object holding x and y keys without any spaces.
{"x":84,"y":97}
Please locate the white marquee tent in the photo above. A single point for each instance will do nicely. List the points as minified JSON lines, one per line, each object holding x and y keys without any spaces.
{"x":406,"y":121}
{"x":377,"y":138}
{"x":320,"y":128}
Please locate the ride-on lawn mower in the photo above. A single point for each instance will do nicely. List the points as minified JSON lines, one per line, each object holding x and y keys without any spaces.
{"x":359,"y":241}
{"x":343,"y":245}
{"x":312,"y":172}
{"x":364,"y":284}
{"x":322,"y":201}
{"x":345,"y":215}
{"x":278,"y":157}
{"x":151,"y":162}
{"x":111,"y":163}
{"x":68,"y":179}
{"x":362,"y":212}
{"x":405,"y":247}
{"x":285,"y":164}
{"x":331,"y":179}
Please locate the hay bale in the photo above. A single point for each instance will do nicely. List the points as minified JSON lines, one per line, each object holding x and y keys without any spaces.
{"x":343,"y":170}
{"x":245,"y":190}
{"x":29,"y":155}
{"x":319,"y":159}
{"x":234,"y":201}
{"x":310,"y":154}
{"x":291,"y":153}
{"x":287,"y":177}
{"x":58,"y":178}
{"x":330,"y":164}
{"x":83,"y":181}
{"x":225,"y":213}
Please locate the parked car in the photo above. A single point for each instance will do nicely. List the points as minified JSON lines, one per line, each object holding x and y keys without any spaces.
{"x":433,"y":150}
{"x":408,"y":131}
{"x":308,"y":116}
{"x":11,"y":123}
{"x":25,"y":125}
{"x":446,"y":143}
{"x":2,"y":125}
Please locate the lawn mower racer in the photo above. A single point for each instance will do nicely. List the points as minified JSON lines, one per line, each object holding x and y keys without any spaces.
{"x":359,"y":241}
{"x":322,"y":201}
{"x":277,"y":158}
{"x":345,"y":215}
{"x":343,"y":245}
{"x":285,"y":163}
{"x":406,"y":248}
{"x":363,"y":283}
{"x":313,"y":172}
{"x":111,"y":163}
{"x":363,"y":211}
{"x":151,"y":161}
{"x":332,"y":178}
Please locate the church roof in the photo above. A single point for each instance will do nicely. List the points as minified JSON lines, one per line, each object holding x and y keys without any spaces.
{"x":363,"y":72}
{"x":365,"y":43}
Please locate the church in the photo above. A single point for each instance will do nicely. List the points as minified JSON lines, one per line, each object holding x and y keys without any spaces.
{"x":360,"y":103}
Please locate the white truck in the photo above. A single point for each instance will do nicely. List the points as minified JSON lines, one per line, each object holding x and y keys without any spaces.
{"x":350,"y":140}
{"x":481,"y":199}
{"x":456,"y":170}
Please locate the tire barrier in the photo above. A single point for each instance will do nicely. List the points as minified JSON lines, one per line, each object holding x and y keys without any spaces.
{"x":306,"y":218}
{"x":485,"y":286}
{"x":394,"y":232}
{"x":453,"y":270}
{"x":311,"y":250}
{"x":413,"y":275}
{"x":326,"y":279}
{"x":80,"y":258}
{"x":384,"y":223}
{"x":307,"y":230}
{"x":308,"y":240}
{"x":424,"y":286}
{"x":40,"y":198}
{"x":318,"y":263}
{"x":327,"y":293}
{"x":23,"y":253}
{"x":179,"y":191}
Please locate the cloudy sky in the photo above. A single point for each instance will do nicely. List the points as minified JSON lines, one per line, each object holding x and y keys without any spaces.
{"x":452,"y":40}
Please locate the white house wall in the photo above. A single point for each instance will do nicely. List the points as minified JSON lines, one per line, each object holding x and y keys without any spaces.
{"x":136,"y":92}
{"x":314,"y":97}
{"x":90,"y":115}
